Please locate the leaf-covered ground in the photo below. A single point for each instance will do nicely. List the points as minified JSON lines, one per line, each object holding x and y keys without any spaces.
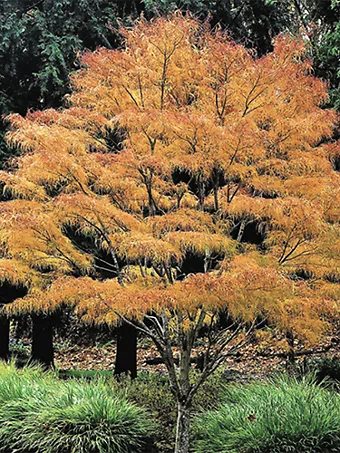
{"x":252,"y":361}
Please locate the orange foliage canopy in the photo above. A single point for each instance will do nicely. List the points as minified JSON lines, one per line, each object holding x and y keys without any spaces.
{"x":187,"y":176}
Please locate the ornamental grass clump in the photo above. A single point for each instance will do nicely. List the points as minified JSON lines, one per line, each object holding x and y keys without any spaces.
{"x":42,"y":414}
{"x":279,"y":416}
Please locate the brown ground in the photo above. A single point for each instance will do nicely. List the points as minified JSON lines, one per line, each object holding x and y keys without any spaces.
{"x":250,"y":362}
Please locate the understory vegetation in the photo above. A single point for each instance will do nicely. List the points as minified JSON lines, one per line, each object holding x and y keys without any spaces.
{"x":41,"y":413}
{"x":279,"y":416}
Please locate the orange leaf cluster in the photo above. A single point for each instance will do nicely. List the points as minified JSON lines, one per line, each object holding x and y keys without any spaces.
{"x":145,"y":194}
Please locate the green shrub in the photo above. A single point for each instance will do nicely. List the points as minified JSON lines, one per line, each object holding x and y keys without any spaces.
{"x":153,"y":393}
{"x":20,"y":354}
{"x":40,"y":413}
{"x":325,"y":368}
{"x":278,"y":416}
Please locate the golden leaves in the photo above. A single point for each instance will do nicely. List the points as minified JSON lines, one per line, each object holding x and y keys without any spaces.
{"x":15,"y":272}
{"x":143,"y":248}
{"x":31,"y":232}
{"x":167,"y":146}
{"x":201,"y":243}
{"x":185,"y":220}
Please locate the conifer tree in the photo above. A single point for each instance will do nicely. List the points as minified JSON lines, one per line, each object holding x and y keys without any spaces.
{"x":186,"y":178}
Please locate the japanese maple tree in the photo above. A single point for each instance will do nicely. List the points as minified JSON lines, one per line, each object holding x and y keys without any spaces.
{"x":187,"y":178}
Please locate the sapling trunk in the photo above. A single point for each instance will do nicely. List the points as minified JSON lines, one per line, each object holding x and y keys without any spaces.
{"x":186,"y":340}
{"x":186,"y":326}
{"x":183,"y":427}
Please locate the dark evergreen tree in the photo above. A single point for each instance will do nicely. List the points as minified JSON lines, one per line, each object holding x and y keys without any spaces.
{"x":252,"y":22}
{"x":323,"y":27}
{"x":39,"y":43}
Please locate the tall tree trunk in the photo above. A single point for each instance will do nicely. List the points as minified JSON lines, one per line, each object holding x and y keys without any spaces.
{"x":42,"y":341}
{"x":4,"y":337}
{"x":126,"y":358}
{"x":183,"y":428}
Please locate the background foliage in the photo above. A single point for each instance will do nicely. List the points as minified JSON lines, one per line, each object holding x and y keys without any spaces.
{"x":39,"y":43}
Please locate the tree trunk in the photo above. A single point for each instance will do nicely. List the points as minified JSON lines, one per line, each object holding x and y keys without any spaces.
{"x":126,"y":358}
{"x":42,"y":341}
{"x":4,"y":337}
{"x":152,"y":204}
{"x":201,"y":195}
{"x":290,"y":364}
{"x":182,"y":428}
{"x":128,"y":7}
